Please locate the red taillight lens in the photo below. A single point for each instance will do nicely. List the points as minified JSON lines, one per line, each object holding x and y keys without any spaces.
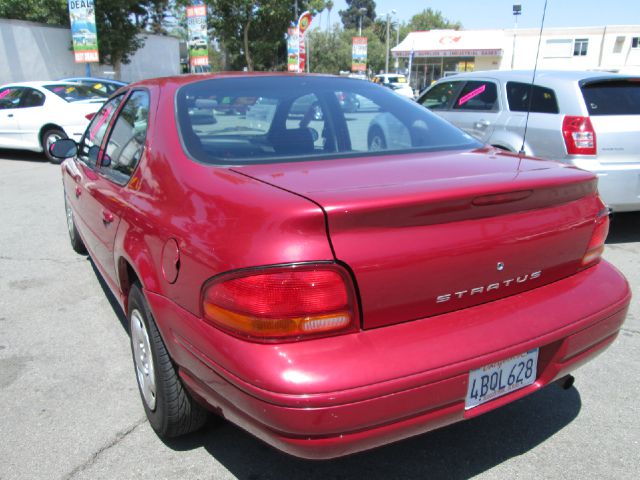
{"x":89,"y":116}
{"x":579,"y":135}
{"x":598,"y":237}
{"x":282,"y":303}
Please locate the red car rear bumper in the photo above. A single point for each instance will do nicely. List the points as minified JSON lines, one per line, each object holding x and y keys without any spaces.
{"x":335,"y":396}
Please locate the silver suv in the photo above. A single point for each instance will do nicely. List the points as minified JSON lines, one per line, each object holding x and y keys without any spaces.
{"x":587,"y":119}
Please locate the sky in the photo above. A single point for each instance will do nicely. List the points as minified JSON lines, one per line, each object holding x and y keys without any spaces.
{"x":488,"y":14}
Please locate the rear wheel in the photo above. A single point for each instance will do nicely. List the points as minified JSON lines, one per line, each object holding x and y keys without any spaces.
{"x":76,"y":242}
{"x":49,"y":137}
{"x":376,"y":141}
{"x":169,"y":407}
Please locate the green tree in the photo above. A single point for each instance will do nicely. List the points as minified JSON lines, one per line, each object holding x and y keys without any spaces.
{"x":335,"y":50}
{"x":52,"y":12}
{"x":351,"y":16}
{"x":428,"y":20}
{"x":251,"y":33}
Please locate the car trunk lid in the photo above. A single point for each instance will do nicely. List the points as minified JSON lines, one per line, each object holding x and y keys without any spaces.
{"x":425,"y":234}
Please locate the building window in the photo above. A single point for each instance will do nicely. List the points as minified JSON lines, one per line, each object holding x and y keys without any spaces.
{"x":635,"y":42}
{"x":580,"y":46}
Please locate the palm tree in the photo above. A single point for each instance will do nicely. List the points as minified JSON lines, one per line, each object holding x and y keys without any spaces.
{"x":329,"y":6}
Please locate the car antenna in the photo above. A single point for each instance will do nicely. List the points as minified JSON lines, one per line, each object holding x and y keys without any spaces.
{"x":533,"y":79}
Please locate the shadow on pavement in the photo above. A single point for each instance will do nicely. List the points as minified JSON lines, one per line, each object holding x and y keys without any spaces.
{"x":22,"y":156}
{"x":459,"y":451}
{"x":624,"y":228}
{"x":113,"y":301}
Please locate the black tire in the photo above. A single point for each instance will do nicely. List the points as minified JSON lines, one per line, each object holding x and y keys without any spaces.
{"x":76,"y":242}
{"x":376,"y":140}
{"x":48,"y":137}
{"x":173,"y":412}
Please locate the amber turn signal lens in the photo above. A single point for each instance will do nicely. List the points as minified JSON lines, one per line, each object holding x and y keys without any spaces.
{"x":282,"y":303}
{"x":598,"y":237}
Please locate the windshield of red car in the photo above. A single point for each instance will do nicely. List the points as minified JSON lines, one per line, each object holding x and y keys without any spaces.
{"x":290,"y":118}
{"x":76,"y":93}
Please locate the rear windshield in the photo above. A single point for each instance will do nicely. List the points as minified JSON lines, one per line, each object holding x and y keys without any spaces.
{"x":543,"y":100}
{"x":619,"y":97}
{"x":288,"y":118}
{"x":76,"y":93}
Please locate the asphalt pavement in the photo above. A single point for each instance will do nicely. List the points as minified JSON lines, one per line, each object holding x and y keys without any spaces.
{"x":70,"y":409}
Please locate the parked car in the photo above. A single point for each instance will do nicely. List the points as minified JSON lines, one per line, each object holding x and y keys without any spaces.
{"x":35,"y":114}
{"x":197,"y":42}
{"x":84,"y":36}
{"x":587,"y":119}
{"x":396,"y":82}
{"x":325,"y":297}
{"x":105,"y":85}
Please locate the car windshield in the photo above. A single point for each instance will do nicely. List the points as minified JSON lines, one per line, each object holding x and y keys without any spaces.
{"x":292,"y":118}
{"x":76,"y":93}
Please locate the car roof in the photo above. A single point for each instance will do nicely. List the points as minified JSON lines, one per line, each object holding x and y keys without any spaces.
{"x":38,"y":83}
{"x":527,"y":75}
{"x":181,"y":80}
{"x":94,"y":79}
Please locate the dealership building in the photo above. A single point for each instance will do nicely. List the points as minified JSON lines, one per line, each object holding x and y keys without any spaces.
{"x":437,"y":53}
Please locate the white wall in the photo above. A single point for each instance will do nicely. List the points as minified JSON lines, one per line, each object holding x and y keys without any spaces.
{"x":601,"y":53}
{"x":34,"y":51}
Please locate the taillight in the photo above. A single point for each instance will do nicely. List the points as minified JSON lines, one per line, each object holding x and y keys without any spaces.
{"x":579,"y":135}
{"x":598,"y":237}
{"x":89,"y":116}
{"x":282,"y":303}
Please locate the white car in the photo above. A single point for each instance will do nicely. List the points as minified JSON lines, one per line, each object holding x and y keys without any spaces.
{"x":33,"y":115}
{"x":396,"y":82}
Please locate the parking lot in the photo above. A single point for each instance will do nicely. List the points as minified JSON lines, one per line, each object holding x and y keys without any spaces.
{"x":70,"y":406}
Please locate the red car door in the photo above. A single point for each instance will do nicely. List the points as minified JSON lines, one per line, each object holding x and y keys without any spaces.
{"x":119,"y":157}
{"x":85,"y":190}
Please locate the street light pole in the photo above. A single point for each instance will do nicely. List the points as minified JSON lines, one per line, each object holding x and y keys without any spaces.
{"x":517,"y":10}
{"x":386,"y":59}
{"x":361,"y":11}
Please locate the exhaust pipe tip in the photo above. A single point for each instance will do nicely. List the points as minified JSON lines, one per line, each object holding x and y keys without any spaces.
{"x":566,"y":382}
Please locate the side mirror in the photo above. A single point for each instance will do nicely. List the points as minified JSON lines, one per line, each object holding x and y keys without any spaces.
{"x":63,"y":148}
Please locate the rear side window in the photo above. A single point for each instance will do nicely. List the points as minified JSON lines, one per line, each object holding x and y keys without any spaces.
{"x":619,"y":97}
{"x":543,"y":100}
{"x":127,"y":138}
{"x":477,"y":96}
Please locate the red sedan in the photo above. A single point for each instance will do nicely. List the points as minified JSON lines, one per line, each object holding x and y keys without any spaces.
{"x":324,"y":290}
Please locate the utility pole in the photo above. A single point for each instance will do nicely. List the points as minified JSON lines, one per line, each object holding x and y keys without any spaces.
{"x":386,"y":58}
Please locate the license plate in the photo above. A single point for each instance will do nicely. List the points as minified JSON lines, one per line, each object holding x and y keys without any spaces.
{"x":498,"y":379}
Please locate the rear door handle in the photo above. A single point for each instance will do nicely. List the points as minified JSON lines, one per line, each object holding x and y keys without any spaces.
{"x":107,"y":217}
{"x":78,"y":192}
{"x":482,"y":124}
{"x":10,"y":115}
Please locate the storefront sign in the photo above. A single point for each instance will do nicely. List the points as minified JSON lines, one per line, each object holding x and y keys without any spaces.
{"x":198,"y":37}
{"x":359,"y":54}
{"x":83,"y":31}
{"x":452,"y":53}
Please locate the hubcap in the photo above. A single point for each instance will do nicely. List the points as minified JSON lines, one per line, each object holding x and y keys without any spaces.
{"x":51,"y":139}
{"x":376,"y":144}
{"x":145,"y":371}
